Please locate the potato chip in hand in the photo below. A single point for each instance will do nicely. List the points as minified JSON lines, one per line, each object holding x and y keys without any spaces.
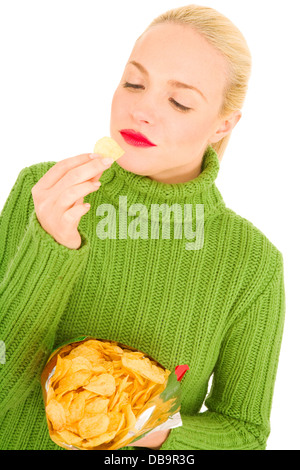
{"x":108,"y":147}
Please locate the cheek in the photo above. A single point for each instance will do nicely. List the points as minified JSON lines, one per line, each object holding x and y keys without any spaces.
{"x":118,"y":105}
{"x":198,"y":127}
{"x":186,"y":132}
{"x":188,"y":136}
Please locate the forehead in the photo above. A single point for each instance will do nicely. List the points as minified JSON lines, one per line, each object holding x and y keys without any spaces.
{"x":173,"y":51}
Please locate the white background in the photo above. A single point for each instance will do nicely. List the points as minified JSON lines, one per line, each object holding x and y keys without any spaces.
{"x":61,"y":61}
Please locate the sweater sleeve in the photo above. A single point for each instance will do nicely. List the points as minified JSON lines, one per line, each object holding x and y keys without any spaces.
{"x":37,"y":276}
{"x":239,"y":402}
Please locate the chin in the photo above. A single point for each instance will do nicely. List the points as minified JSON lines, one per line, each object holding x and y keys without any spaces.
{"x":134,"y":165}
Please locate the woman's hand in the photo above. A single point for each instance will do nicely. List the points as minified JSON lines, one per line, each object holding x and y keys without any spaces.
{"x":154,"y":441}
{"x":58,"y":196}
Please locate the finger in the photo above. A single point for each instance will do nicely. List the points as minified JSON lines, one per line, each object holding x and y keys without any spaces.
{"x":69,"y":196}
{"x":60,"y":168}
{"x":73,"y":215}
{"x":81,"y":174}
{"x":79,"y":201}
{"x":96,"y":178}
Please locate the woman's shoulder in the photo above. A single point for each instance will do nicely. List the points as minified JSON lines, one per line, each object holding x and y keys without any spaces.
{"x":253,"y":252}
{"x":28,"y":176}
{"x":37,"y":170}
{"x":247,"y":232}
{"x":252,"y":256}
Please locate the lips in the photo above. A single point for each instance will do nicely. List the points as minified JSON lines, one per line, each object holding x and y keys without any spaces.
{"x":136,"y":138}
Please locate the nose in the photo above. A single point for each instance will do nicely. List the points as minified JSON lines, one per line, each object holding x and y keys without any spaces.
{"x":140,"y":115}
{"x":143,"y":110}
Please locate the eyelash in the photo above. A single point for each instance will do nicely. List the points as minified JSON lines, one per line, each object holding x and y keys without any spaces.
{"x":178,"y":105}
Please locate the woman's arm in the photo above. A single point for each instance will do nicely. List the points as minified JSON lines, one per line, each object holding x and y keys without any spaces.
{"x":37,"y":276}
{"x":239,"y":403}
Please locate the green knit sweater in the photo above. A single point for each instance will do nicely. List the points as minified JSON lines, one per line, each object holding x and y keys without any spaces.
{"x":218,"y":308}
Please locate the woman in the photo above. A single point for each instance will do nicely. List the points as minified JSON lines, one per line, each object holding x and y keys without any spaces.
{"x":217,"y":306}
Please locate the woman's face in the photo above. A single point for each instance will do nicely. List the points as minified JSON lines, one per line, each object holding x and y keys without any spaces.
{"x":179,"y":120}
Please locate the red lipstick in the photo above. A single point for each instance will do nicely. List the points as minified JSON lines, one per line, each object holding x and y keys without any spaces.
{"x":136,"y":138}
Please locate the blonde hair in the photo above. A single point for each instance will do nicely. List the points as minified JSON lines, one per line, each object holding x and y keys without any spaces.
{"x":220,"y":32}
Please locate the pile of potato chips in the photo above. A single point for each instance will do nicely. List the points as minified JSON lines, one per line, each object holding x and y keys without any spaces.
{"x":95,"y":391}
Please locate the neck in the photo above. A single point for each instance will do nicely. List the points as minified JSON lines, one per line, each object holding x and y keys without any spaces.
{"x":181,"y":174}
{"x":142,"y":190}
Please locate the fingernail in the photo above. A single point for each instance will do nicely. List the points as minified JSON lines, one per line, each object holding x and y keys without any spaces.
{"x":107,"y":161}
{"x":94,"y":155}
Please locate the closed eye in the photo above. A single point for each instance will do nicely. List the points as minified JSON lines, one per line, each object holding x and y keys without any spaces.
{"x":178,"y":105}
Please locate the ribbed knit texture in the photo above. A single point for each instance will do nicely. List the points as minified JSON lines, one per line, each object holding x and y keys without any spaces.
{"x":220,"y":309}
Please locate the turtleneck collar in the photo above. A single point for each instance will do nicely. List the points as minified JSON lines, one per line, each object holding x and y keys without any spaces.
{"x":140,"y":189}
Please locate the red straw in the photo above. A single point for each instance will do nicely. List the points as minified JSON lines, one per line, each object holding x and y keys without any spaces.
{"x":180,"y":371}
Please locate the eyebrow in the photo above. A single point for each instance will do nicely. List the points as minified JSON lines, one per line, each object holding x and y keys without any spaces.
{"x":174,"y":83}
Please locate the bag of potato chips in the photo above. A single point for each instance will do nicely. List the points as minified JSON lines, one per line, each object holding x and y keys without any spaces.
{"x":101,"y":394}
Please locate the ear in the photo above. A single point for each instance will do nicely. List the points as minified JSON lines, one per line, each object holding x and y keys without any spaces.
{"x":226,"y":126}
